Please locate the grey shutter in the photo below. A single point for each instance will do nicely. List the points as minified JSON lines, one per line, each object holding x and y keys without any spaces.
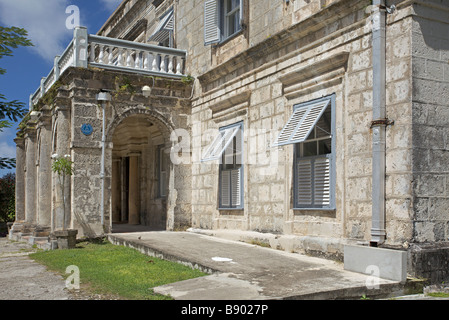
{"x":225,"y":192}
{"x":241,"y":22}
{"x":322,"y":182}
{"x":304,"y":182}
{"x":163,"y":183}
{"x":235,"y":188}
{"x":211,"y":22}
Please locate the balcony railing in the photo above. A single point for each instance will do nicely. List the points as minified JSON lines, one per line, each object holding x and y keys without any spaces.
{"x":113,"y":54}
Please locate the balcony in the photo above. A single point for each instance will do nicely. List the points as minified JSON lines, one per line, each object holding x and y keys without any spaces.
{"x":86,"y":51}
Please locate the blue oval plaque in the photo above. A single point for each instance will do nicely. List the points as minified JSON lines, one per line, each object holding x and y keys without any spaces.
{"x":87,"y":129}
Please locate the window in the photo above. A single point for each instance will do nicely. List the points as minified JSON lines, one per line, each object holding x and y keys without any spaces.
{"x":162,"y":172}
{"x":163,"y":34}
{"x":310,"y":129}
{"x":228,"y":148}
{"x":222,"y":19}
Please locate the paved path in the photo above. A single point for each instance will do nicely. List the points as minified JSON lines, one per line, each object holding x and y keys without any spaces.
{"x":243,"y":271}
{"x":239,"y":272}
{"x":21,"y":278}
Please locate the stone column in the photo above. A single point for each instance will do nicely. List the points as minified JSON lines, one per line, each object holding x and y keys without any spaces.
{"x":30,"y":177}
{"x":115,"y":190}
{"x":124,"y":189}
{"x":20,"y":179}
{"x":133,"y":206}
{"x":44,"y":172}
{"x":62,"y":148}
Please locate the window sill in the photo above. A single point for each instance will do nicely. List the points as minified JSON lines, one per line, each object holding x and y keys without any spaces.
{"x":314,"y":209}
{"x":231,"y":211}
{"x":224,"y":41}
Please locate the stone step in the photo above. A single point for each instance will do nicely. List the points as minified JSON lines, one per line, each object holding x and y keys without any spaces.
{"x":41,"y":233}
{"x":47,"y":245}
{"x":32,"y":240}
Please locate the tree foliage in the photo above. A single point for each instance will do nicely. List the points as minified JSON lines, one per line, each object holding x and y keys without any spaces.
{"x":10,"y":38}
{"x":7,"y":197}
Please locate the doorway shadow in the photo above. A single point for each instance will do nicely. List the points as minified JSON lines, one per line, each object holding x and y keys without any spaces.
{"x":129,"y":228}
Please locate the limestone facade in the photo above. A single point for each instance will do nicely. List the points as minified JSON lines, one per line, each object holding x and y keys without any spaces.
{"x":282,"y":56}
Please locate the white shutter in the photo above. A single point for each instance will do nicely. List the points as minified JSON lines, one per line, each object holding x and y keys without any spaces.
{"x":219,"y":145}
{"x":301,"y":123}
{"x":290,"y":127}
{"x":322,"y":181}
{"x":314,"y":113}
{"x":165,"y":26}
{"x":225,"y":192}
{"x":211,"y":26}
{"x":304,"y":181}
{"x":235,"y":188}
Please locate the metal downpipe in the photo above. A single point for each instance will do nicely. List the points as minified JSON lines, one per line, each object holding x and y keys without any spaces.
{"x":379,"y":123}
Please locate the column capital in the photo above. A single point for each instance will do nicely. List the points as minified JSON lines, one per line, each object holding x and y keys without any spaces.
{"x":20,"y":142}
{"x":45,"y":117}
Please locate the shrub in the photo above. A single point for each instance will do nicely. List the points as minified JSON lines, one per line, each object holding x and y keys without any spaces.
{"x":7,"y":197}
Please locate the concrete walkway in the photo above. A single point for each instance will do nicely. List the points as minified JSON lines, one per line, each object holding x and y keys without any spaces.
{"x":24,"y":279}
{"x":240,"y":271}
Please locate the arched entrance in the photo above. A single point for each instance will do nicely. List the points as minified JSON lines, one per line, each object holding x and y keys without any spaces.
{"x":139,"y":172}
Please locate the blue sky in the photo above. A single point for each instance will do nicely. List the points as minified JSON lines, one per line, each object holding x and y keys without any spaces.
{"x":45,"y":21}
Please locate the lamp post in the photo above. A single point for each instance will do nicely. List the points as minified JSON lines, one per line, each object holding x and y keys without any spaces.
{"x":103,"y":97}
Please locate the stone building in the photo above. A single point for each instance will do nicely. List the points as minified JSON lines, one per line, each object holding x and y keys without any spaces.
{"x":311,"y":125}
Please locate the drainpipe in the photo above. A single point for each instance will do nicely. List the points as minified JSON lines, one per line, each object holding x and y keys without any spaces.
{"x":104,"y":97}
{"x":380,"y":122}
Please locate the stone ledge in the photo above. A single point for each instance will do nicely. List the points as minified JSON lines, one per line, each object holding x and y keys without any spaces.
{"x":322,"y":247}
{"x":384,"y":263}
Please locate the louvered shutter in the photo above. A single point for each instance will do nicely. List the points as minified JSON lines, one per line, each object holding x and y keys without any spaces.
{"x":304,"y":182}
{"x":241,"y":14}
{"x":290,"y":127}
{"x":322,"y":182}
{"x":211,"y":22}
{"x":225,"y":187}
{"x":165,"y":26}
{"x":236,"y":187}
{"x":309,"y":121}
{"x":221,"y":142}
{"x":301,"y":123}
{"x":163,"y":183}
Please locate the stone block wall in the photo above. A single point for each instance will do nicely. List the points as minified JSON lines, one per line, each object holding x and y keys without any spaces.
{"x":267,"y":74}
{"x":55,"y":127}
{"x":430,"y":117}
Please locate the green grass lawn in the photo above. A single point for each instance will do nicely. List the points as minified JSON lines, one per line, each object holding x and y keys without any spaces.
{"x":111,"y":269}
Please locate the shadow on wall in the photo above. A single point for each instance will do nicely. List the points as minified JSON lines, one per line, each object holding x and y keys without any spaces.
{"x":87,"y":230}
{"x":434,"y":33}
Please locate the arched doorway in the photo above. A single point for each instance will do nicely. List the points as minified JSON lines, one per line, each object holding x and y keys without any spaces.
{"x":139,"y":173}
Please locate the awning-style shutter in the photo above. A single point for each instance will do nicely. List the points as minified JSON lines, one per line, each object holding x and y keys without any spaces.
{"x":301,"y":123}
{"x":165,"y":26}
{"x":220,"y":143}
{"x":211,"y":24}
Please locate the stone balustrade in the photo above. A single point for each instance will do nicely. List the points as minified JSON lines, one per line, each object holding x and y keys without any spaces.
{"x":114,"y":54}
